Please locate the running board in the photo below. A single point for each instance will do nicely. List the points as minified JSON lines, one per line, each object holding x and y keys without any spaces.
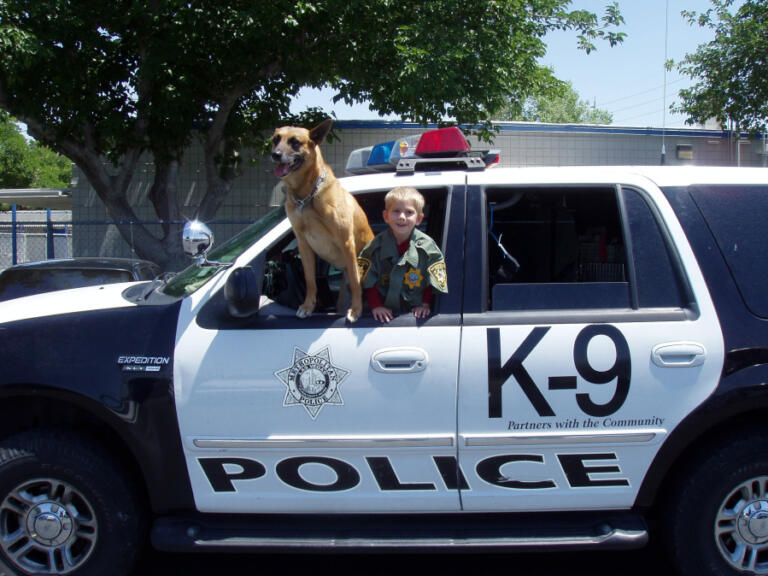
{"x":312,"y":533}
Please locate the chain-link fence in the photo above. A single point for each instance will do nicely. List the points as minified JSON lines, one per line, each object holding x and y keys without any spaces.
{"x":38,"y":237}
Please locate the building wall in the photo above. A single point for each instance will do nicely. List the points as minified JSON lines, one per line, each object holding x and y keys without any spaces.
{"x":521,"y":144}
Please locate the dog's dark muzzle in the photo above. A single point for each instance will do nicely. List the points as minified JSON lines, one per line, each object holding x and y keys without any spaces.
{"x":282,"y":169}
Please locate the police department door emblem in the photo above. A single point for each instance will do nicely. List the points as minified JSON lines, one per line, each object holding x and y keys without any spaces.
{"x":312,"y":381}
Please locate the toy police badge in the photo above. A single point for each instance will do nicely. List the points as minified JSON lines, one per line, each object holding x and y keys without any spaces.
{"x":312,"y":381}
{"x":439,"y":276}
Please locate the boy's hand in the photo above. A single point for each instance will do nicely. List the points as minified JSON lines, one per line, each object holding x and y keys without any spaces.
{"x":382,"y":314}
{"x":421,"y":311}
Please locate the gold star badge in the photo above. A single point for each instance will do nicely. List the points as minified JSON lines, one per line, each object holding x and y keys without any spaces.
{"x":413,"y":278}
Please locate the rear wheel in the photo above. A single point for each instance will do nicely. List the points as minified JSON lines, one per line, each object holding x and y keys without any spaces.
{"x":65,"y":507}
{"x":719,"y":514}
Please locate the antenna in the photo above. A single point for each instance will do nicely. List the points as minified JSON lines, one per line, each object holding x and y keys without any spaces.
{"x":664,"y":105}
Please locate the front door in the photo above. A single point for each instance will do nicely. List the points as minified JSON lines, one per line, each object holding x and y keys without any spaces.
{"x":280,"y":414}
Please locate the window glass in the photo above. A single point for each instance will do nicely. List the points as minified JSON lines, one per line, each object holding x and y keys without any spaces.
{"x":194,"y":276}
{"x":555,"y":248}
{"x":657,"y":284}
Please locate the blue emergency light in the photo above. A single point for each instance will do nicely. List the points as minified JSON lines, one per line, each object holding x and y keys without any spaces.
{"x":379,"y":158}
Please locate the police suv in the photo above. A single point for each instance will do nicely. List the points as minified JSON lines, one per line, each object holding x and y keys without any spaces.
{"x":597,"y":373}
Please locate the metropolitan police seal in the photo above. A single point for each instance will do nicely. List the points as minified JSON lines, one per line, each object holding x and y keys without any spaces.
{"x":312,"y":381}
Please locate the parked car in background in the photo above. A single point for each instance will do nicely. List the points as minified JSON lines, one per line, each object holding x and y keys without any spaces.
{"x":48,"y":275}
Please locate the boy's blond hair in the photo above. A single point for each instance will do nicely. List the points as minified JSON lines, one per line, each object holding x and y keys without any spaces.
{"x":405,"y":194}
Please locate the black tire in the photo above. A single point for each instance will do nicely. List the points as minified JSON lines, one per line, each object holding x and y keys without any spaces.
{"x":65,"y":507}
{"x":717,"y":522}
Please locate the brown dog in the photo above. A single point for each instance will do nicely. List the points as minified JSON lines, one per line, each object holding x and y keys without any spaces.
{"x":326,"y":219}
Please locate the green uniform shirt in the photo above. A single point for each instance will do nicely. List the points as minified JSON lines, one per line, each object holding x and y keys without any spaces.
{"x":401,"y":280}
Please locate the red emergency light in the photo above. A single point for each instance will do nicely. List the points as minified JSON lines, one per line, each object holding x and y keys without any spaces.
{"x":443,"y":142}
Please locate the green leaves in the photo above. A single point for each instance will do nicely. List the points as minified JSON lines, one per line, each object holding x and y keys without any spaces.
{"x":119,"y":79}
{"x":561,"y":105}
{"x":731,"y":71}
{"x":25,"y":164}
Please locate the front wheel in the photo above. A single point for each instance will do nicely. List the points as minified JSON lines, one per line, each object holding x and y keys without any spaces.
{"x":718,"y":523}
{"x":65,"y":507}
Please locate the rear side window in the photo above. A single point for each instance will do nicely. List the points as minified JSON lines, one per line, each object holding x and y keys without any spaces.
{"x":736,"y":215}
{"x":570,"y":248}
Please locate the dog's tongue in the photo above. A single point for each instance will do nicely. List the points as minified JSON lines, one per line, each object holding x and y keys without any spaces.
{"x":282,"y":169}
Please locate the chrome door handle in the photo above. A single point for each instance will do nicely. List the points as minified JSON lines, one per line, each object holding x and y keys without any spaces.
{"x":679,"y":354}
{"x":400,"y":360}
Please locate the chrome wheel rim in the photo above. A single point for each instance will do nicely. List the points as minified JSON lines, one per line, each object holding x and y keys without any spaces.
{"x":47,"y":527}
{"x":741,"y":526}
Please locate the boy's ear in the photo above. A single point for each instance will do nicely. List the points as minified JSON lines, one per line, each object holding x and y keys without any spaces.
{"x":385,"y":215}
{"x":419,"y":218}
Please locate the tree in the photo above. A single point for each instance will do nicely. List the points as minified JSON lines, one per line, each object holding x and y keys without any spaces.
{"x":116,"y":80}
{"x":25,"y":164}
{"x":560,"y":106}
{"x":15,"y":169}
{"x":731,"y":71}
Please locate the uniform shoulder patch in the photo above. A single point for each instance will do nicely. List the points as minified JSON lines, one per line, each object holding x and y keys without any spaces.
{"x":439,"y":275}
{"x":363,"y":265}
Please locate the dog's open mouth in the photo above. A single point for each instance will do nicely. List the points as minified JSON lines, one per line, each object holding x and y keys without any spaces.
{"x":282,"y":169}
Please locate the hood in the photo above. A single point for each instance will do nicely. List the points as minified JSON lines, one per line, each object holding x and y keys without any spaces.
{"x":60,"y":302}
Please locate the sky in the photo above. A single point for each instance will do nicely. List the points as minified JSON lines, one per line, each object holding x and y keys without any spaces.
{"x":628,"y":80}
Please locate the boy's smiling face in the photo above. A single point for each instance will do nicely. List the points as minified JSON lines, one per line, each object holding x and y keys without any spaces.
{"x":402,"y":217}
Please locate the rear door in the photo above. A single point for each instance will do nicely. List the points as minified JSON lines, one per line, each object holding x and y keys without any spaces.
{"x":280,"y":414}
{"x":585,"y":340}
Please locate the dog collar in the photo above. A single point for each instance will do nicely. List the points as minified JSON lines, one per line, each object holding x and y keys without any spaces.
{"x":300,"y":202}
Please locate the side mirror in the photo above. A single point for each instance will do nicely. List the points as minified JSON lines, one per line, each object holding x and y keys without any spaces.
{"x":196,"y":239}
{"x":242,"y":292}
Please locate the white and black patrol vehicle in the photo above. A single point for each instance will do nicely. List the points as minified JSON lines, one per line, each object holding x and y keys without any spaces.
{"x":597,"y":375}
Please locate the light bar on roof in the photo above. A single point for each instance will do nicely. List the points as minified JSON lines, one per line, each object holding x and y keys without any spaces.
{"x":445,"y":146}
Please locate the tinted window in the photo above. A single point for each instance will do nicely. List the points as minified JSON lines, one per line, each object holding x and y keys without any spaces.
{"x":657,"y":283}
{"x":736,"y":216}
{"x":566,"y":248}
{"x":555,"y":248}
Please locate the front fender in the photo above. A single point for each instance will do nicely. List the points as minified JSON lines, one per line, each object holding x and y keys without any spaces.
{"x":116,"y":367}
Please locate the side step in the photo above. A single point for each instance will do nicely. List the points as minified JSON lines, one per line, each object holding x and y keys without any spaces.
{"x":314,"y":533}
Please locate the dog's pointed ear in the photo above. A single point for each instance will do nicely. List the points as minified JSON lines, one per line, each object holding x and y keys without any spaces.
{"x":319,"y":132}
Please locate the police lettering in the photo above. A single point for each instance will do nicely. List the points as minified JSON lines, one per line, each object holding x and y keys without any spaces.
{"x":580,"y":470}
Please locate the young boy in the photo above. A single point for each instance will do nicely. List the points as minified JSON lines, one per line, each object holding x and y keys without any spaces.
{"x":401,"y":265}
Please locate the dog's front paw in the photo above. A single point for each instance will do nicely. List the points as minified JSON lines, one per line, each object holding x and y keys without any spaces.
{"x":305,"y":310}
{"x":352,"y":315}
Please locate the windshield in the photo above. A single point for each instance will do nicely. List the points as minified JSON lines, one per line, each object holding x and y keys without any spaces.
{"x":193,"y":277}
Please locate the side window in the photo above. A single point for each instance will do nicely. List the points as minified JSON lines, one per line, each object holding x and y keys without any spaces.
{"x":658,"y":283}
{"x":565,"y":248}
{"x":283,"y":286}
